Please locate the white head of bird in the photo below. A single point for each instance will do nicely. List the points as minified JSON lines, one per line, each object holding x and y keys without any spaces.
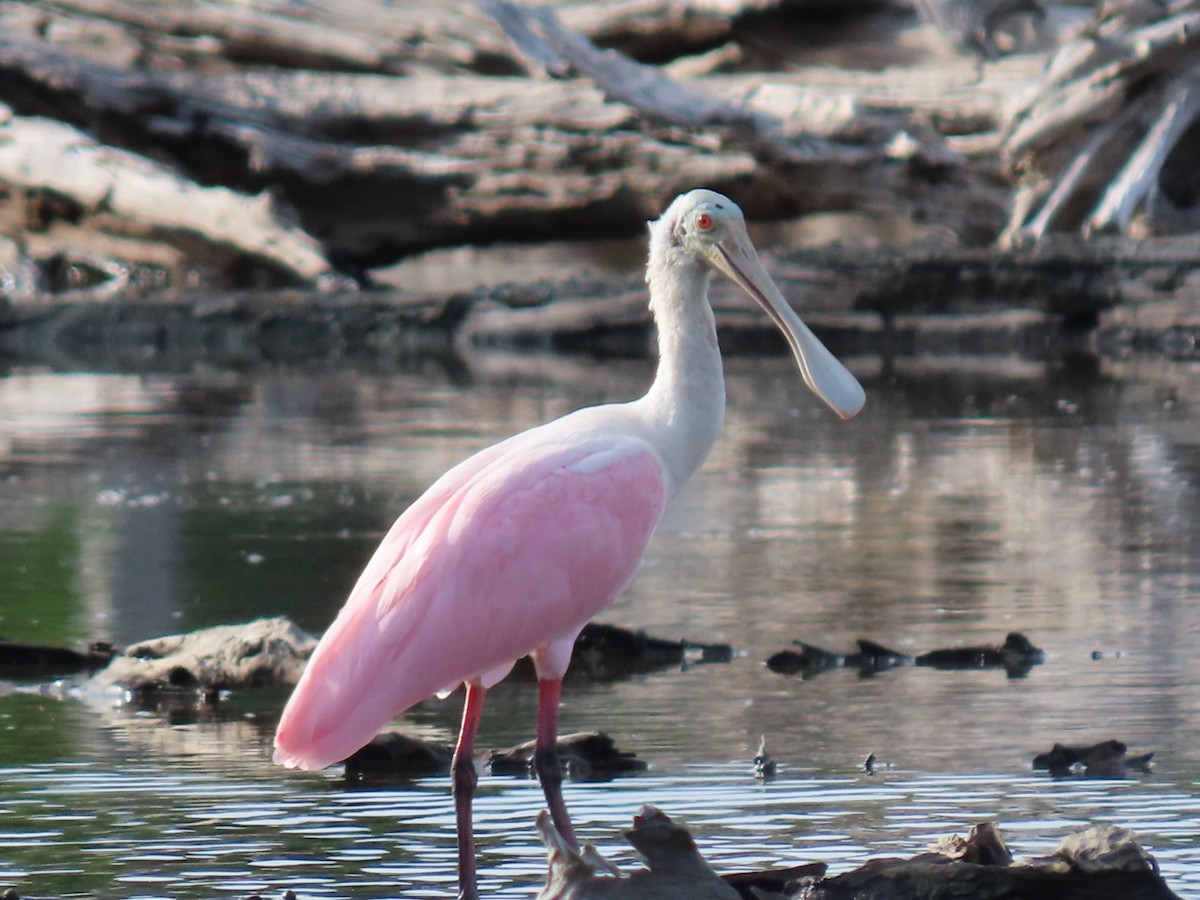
{"x":702,"y":231}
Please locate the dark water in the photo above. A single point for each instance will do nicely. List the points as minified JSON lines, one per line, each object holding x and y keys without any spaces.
{"x":972,"y":498}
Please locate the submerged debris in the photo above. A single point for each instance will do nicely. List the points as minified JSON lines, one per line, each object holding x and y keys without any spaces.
{"x":1106,"y":759}
{"x":764,"y":766}
{"x":399,"y":755}
{"x":585,"y":756}
{"x":1017,"y":655}
{"x":605,"y":652}
{"x":1101,"y":861}
{"x":40,"y":662}
{"x":811,"y":659}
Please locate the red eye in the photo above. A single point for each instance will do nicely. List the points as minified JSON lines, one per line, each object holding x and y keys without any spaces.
{"x":704,"y":222}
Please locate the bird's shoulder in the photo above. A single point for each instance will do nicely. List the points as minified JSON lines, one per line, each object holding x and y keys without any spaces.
{"x":584,"y":451}
{"x":588,"y":442}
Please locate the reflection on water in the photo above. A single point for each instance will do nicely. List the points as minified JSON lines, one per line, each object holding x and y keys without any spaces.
{"x":966,"y":502}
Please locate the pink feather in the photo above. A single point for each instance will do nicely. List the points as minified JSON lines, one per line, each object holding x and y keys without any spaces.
{"x":492,"y":563}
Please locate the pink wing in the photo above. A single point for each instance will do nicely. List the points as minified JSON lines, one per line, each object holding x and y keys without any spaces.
{"x":508,"y":552}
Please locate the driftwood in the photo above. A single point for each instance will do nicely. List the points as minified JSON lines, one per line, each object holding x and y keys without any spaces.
{"x":346,"y":137}
{"x":1098,"y":863}
{"x":1108,"y":135}
{"x":132,"y":194}
{"x":146,"y":150}
{"x":831,"y":154}
{"x":1017,"y":655}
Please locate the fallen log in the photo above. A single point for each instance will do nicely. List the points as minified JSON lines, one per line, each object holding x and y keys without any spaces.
{"x":123,"y":194}
{"x":1098,"y":863}
{"x":438,"y":35}
{"x":401,"y":126}
{"x":848,"y":160}
{"x":809,"y":660}
{"x":1106,"y":141}
{"x":21,"y":661}
{"x":1017,"y":655}
{"x":605,"y":652}
{"x":585,"y":756}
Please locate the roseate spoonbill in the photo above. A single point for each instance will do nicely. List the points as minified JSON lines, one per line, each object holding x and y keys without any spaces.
{"x":512,"y":551}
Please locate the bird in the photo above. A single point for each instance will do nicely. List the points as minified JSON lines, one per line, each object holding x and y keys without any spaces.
{"x":512,"y":551}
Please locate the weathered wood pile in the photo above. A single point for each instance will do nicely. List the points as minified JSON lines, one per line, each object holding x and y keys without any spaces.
{"x":1108,"y":141}
{"x":301,"y":140}
{"x":156,"y":149}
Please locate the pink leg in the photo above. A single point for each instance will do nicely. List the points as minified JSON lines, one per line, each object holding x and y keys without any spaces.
{"x":463,"y":784}
{"x":545,"y":758}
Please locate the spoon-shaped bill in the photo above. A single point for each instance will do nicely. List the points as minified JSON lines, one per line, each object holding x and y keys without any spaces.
{"x":822,"y":372}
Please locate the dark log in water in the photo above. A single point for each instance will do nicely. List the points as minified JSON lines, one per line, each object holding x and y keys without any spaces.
{"x":1098,"y":863}
{"x":38,"y":662}
{"x":1017,"y":655}
{"x":585,"y":756}
{"x":1106,"y":759}
{"x":809,"y":659}
{"x":606,"y":652}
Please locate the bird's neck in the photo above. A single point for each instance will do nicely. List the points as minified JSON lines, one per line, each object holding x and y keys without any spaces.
{"x":686,"y":403}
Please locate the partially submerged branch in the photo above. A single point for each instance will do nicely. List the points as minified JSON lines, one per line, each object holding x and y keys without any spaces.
{"x":1098,"y":863}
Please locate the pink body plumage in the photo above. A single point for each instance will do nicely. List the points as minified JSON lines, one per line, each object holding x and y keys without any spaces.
{"x":507,"y":554}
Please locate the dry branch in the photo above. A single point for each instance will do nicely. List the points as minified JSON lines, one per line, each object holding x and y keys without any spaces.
{"x":1109,"y":133}
{"x":125,"y":193}
{"x":1138,"y":178}
{"x":539,"y":33}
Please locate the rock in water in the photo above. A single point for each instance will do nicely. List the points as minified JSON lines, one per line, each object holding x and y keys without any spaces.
{"x":262,"y":653}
